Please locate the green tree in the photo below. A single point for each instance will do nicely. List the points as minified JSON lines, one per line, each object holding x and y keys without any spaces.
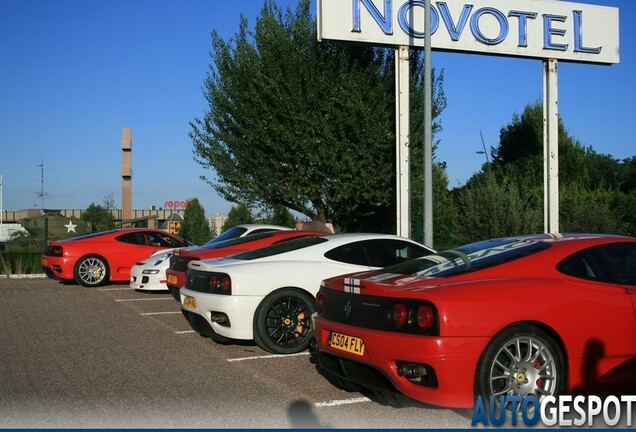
{"x":279,"y":215}
{"x":195,"y":227}
{"x":304,"y":124}
{"x":494,"y":208}
{"x":592,"y":186}
{"x":238,"y":215}
{"x":99,"y":216}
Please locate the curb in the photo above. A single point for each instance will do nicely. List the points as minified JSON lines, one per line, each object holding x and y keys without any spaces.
{"x":23,"y":276}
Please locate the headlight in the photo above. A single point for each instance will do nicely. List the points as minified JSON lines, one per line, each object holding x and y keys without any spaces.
{"x":150,"y":271}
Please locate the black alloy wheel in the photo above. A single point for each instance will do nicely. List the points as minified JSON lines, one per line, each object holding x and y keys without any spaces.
{"x":282,"y":323}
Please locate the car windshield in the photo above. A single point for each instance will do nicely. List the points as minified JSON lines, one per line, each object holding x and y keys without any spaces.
{"x":471,"y":257}
{"x":234,"y":232}
{"x":279,"y":248}
{"x":236,"y":241}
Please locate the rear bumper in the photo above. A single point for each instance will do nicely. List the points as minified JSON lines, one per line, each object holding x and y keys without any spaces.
{"x":57,"y":268}
{"x":451,"y":362}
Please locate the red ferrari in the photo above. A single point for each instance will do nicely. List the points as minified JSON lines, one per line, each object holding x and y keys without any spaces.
{"x":96,"y":259}
{"x":176,"y":273}
{"x":539,"y":315}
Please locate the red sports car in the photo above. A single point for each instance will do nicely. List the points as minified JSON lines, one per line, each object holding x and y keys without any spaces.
{"x":96,"y":259}
{"x":176,"y":273}
{"x":538,"y":315}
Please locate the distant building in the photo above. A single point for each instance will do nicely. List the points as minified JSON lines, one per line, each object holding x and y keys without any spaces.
{"x":216,"y":223}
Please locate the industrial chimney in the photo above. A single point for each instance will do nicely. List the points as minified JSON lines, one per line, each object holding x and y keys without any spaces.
{"x":126,"y":174}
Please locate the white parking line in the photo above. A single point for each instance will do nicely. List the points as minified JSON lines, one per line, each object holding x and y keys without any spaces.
{"x":115,"y":289}
{"x":145,"y":299}
{"x":341,"y":402}
{"x":160,"y":313}
{"x":185,"y":332}
{"x":266,"y":357}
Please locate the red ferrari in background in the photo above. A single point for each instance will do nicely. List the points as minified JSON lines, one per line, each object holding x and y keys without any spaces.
{"x":538,"y":315}
{"x":176,"y":273}
{"x":96,"y":259}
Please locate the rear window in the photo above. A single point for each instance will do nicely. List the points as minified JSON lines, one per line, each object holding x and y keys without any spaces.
{"x":233,"y":232}
{"x":471,"y":257}
{"x":235,"y":241}
{"x":280,"y":248}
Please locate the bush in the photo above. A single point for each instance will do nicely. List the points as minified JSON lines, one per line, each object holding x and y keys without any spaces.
{"x":24,"y":261}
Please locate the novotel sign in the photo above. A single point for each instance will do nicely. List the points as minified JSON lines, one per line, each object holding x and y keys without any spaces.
{"x":527,"y":28}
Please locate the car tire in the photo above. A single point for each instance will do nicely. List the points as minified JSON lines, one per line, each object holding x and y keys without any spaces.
{"x":91,"y":271}
{"x":282,"y":322}
{"x":520,"y":360}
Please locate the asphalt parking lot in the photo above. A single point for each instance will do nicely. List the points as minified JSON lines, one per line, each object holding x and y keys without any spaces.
{"x":113,"y":357}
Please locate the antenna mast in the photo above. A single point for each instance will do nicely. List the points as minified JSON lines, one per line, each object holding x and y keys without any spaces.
{"x":41,"y":194}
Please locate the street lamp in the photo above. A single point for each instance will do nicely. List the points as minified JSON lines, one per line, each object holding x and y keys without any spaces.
{"x":484,"y":151}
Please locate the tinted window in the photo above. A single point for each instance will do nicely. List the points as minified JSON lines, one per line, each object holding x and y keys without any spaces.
{"x":622,"y":258}
{"x":280,"y":248}
{"x":613,"y":263}
{"x":474,"y":256}
{"x":236,"y":241}
{"x":233,"y":232}
{"x":163,"y":240}
{"x":376,"y":253}
{"x":133,"y":238}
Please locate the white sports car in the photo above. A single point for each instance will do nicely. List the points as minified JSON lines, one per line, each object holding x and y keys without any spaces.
{"x":268,"y":294}
{"x":150,"y":274}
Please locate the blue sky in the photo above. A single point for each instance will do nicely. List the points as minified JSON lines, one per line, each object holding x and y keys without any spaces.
{"x":73,"y":73}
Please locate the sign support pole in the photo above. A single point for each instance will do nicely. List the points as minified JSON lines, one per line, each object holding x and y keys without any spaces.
{"x":428,"y":129}
{"x":550,"y":146}
{"x":402,"y":138}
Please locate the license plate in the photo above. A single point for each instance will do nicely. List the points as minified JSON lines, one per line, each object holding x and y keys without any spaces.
{"x":346,"y":343}
{"x":190,"y":302}
{"x":172,"y":279}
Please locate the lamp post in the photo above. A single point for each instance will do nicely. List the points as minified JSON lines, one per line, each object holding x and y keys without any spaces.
{"x":484,"y":151}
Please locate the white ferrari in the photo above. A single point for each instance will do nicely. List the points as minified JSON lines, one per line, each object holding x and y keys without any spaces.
{"x":150,"y":274}
{"x":268,"y":294}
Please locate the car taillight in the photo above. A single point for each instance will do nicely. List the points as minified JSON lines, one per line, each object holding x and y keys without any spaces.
{"x":408,"y":316}
{"x":425,"y":317}
{"x":399,"y":315}
{"x":321,"y":298}
{"x":220,"y":283}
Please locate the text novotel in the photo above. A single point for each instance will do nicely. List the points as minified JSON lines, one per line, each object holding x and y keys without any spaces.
{"x":534,"y":28}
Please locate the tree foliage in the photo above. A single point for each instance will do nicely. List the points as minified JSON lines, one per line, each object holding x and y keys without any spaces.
{"x":100,"y":216}
{"x":238,"y":215}
{"x":195,"y":227}
{"x":596,"y":190}
{"x":279,"y":215}
{"x":302,"y":124}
